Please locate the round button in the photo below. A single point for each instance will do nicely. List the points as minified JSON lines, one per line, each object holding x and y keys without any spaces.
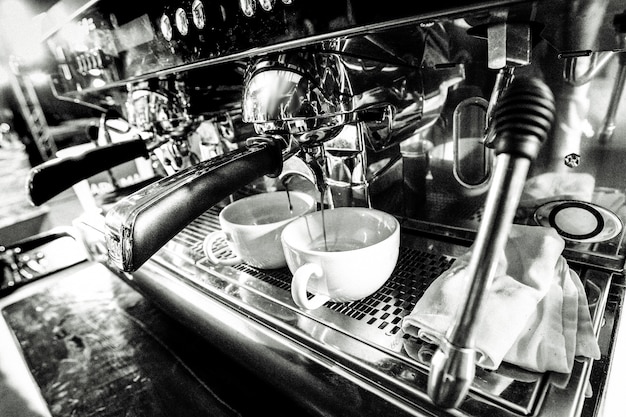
{"x":579,"y":221}
{"x":182,"y":23}
{"x":198,"y":14}
{"x":166,"y":27}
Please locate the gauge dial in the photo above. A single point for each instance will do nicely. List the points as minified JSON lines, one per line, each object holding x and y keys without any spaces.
{"x":198,"y":14}
{"x":182,"y":22}
{"x":166,"y":27}
{"x":248,"y":7}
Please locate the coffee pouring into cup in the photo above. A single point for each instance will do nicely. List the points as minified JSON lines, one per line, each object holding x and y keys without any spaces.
{"x":340,"y":255}
{"x":329,"y":106}
{"x":251,"y":227}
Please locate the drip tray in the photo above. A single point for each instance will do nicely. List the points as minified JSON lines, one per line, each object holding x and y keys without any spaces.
{"x":383,"y":310}
{"x":365,"y":336}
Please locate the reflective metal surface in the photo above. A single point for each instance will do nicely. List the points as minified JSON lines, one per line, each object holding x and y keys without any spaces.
{"x":341,"y":85}
{"x":362,"y":340}
{"x":38,"y":256}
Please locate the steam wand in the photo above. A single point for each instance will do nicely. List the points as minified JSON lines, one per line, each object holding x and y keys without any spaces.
{"x":522,"y":120}
{"x":608,"y":126}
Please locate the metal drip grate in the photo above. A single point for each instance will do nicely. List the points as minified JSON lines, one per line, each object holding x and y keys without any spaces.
{"x":384,"y":309}
{"x":369,"y":329}
{"x":193,"y":235}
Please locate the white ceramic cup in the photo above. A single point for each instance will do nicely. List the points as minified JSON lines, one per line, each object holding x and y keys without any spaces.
{"x":252,"y":226}
{"x":359,"y":255}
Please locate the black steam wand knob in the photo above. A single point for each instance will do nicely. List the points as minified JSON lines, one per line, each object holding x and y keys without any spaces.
{"x":522,"y":120}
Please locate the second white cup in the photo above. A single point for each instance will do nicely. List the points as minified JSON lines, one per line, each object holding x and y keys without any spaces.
{"x":346,"y":255}
{"x":252,"y":227}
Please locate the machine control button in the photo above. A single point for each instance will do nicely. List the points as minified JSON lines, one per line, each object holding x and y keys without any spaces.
{"x":267,"y":5}
{"x":579,"y":221}
{"x":248,"y":7}
{"x":198,"y":14}
{"x":182,"y":22}
{"x":166,"y":27}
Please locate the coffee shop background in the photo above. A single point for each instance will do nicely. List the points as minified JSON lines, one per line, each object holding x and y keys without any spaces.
{"x":68,"y":127}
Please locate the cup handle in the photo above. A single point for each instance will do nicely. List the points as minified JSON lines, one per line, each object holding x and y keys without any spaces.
{"x":207,"y":248}
{"x":299,"y":285}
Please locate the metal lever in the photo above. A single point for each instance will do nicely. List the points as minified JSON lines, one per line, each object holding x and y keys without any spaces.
{"x":503,"y":79}
{"x":57,"y":175}
{"x":522,"y":120}
{"x":608,"y":127}
{"x":619,"y":22}
{"x":140,"y":224}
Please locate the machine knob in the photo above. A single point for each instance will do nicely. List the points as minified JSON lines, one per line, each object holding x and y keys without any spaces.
{"x":267,"y":5}
{"x":182,"y":21}
{"x":166,"y":27}
{"x":198,"y":14}
{"x":248,"y":7}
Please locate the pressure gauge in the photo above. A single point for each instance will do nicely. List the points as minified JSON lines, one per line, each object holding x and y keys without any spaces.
{"x":267,"y":5}
{"x":182,"y":22}
{"x":248,"y":7}
{"x":166,"y":27}
{"x":198,"y":14}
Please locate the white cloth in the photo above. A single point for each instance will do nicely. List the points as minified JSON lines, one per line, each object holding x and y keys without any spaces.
{"x":557,"y":186}
{"x":535,"y":315}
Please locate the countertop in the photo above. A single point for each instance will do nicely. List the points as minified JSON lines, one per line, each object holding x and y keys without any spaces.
{"x":83,"y":342}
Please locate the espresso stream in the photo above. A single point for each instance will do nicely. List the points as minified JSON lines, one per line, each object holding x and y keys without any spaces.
{"x":289,"y":199}
{"x":322,"y":195}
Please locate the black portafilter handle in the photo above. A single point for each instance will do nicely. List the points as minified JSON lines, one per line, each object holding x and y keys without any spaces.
{"x":140,"y":224}
{"x":523,"y":117}
{"x":57,"y":175}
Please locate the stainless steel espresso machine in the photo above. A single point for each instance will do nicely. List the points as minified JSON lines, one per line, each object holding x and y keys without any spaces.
{"x":400,"y":107}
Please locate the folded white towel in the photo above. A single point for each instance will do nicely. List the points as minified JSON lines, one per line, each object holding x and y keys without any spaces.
{"x":535,"y":315}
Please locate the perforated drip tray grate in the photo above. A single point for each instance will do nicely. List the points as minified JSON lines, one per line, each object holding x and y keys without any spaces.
{"x":414,"y":273}
{"x":369,"y":330}
{"x":384,"y":309}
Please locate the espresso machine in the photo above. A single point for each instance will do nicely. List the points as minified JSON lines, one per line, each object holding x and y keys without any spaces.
{"x":245,"y":97}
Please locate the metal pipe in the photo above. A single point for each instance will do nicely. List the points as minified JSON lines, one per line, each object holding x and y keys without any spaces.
{"x":595,"y":66}
{"x":522,"y":119}
{"x":608,"y":127}
{"x":503,"y":79}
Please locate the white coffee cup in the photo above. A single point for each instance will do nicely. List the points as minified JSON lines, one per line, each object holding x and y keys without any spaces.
{"x":356,"y":258}
{"x":252,"y":226}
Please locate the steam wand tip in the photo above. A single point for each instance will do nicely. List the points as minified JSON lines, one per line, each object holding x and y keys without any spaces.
{"x":451,"y":374}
